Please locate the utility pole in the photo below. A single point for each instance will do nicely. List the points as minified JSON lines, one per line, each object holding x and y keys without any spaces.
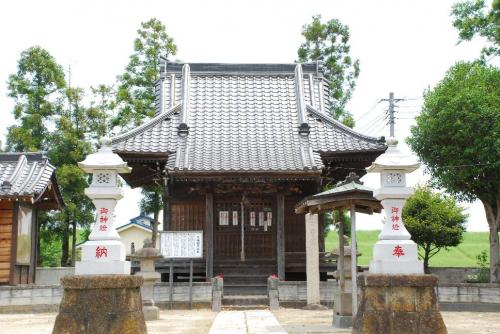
{"x":392,"y":104}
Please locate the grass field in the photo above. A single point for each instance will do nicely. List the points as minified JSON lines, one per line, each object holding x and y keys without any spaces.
{"x":464,"y":255}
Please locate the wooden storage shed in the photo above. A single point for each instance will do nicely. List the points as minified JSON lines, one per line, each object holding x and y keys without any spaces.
{"x":27,"y":184}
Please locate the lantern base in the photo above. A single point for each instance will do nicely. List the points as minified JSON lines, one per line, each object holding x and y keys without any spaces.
{"x":396,"y":257}
{"x":102,"y":268}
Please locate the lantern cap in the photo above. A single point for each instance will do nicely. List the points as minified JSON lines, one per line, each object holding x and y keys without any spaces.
{"x":104,"y":159}
{"x":394,"y":159}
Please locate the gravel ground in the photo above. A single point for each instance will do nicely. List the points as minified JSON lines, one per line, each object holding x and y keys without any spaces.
{"x":293,"y":321}
{"x":297,"y":321}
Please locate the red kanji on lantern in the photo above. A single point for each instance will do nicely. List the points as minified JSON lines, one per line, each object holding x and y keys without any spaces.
{"x":395,"y":227}
{"x":103,"y":210}
{"x":398,"y":251}
{"x":103,"y":228}
{"x":100,"y":252}
{"x":394,"y":210}
{"x":395,"y":219}
{"x":103,"y":219}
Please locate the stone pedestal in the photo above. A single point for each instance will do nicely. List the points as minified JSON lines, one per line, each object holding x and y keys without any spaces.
{"x":147,"y":257}
{"x":101,"y":304}
{"x":398,"y":304}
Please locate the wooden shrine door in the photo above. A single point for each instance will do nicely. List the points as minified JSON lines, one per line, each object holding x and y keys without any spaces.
{"x":244,"y":228}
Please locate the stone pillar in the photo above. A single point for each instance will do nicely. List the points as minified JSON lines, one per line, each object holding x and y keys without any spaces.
{"x":312,"y":259}
{"x":104,"y":253}
{"x":395,"y":304}
{"x":395,"y":252}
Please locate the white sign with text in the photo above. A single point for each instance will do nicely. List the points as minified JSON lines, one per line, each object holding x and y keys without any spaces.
{"x":181,"y":244}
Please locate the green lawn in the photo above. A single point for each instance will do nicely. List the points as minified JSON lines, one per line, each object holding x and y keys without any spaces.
{"x":464,"y":255}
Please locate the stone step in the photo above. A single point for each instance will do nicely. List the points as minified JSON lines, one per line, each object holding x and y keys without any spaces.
{"x":245,"y":289}
{"x":245,"y":300}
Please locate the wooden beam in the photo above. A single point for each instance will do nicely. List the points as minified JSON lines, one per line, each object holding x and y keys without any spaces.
{"x":209,"y":225}
{"x":34,"y":236}
{"x":280,"y":235}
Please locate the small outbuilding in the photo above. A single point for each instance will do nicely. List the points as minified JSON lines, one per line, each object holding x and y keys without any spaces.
{"x":27,"y":184}
{"x":135,"y":231}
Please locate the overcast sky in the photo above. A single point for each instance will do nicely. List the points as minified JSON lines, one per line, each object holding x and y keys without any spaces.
{"x":403,"y":46}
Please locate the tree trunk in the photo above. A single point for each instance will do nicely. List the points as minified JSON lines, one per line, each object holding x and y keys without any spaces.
{"x":493,"y":218}
{"x":73,"y":245}
{"x":427,"y":251}
{"x":155,"y":218}
{"x":65,"y":245}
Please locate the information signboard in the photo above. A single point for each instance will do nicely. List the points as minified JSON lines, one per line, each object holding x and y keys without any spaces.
{"x":181,"y":244}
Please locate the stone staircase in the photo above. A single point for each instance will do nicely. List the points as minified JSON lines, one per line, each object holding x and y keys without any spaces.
{"x":245,"y":283}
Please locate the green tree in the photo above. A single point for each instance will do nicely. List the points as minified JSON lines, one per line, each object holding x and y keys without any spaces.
{"x":457,"y":136}
{"x":36,"y":89}
{"x":136,"y":89}
{"x":43,"y":102}
{"x":473,"y":18}
{"x":329,"y":42}
{"x":434,"y":222}
{"x":151,"y":203}
{"x":101,"y":111}
{"x":70,"y":145}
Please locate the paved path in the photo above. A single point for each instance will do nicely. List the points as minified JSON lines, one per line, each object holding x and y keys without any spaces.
{"x":246,"y":322}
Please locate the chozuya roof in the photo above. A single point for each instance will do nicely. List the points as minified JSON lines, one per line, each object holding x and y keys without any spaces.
{"x":243,"y":118}
{"x":27,"y":175}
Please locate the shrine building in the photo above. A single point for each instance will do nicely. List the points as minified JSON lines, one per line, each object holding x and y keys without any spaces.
{"x":236,"y":147}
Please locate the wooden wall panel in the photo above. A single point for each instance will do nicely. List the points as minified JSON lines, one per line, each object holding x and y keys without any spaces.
{"x":6,"y":214}
{"x":294,"y":227}
{"x":187,"y":216}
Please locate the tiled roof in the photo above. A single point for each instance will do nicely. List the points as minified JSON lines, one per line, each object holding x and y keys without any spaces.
{"x":24,"y":174}
{"x":243,"y":118}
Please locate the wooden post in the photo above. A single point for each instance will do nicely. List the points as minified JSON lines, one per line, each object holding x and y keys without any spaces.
{"x":190,"y":284}
{"x":280,"y":235}
{"x":354,"y":262}
{"x":171,"y":284}
{"x":166,"y":207}
{"x":242,"y":248}
{"x":340,"y":266}
{"x":209,"y":224}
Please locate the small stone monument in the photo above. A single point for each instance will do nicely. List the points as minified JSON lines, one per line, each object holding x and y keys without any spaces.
{"x":147,"y":256}
{"x":342,"y":308}
{"x":395,"y":295}
{"x":102,"y":298}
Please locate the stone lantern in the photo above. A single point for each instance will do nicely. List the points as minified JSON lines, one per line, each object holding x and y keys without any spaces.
{"x":104,"y":253}
{"x":395,"y":252}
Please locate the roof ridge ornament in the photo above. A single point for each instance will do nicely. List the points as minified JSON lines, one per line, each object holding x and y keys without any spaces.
{"x":304,"y":128}
{"x":352,"y":177}
{"x":183,"y":128}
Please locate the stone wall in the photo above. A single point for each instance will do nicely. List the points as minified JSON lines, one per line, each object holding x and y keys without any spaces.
{"x":30,"y":298}
{"x":465,"y":296}
{"x":469,"y":293}
{"x":52,"y":275}
{"x":44,"y":298}
{"x":295,"y":292}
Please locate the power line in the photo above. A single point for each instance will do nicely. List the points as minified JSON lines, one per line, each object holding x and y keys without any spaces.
{"x":368,"y":112}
